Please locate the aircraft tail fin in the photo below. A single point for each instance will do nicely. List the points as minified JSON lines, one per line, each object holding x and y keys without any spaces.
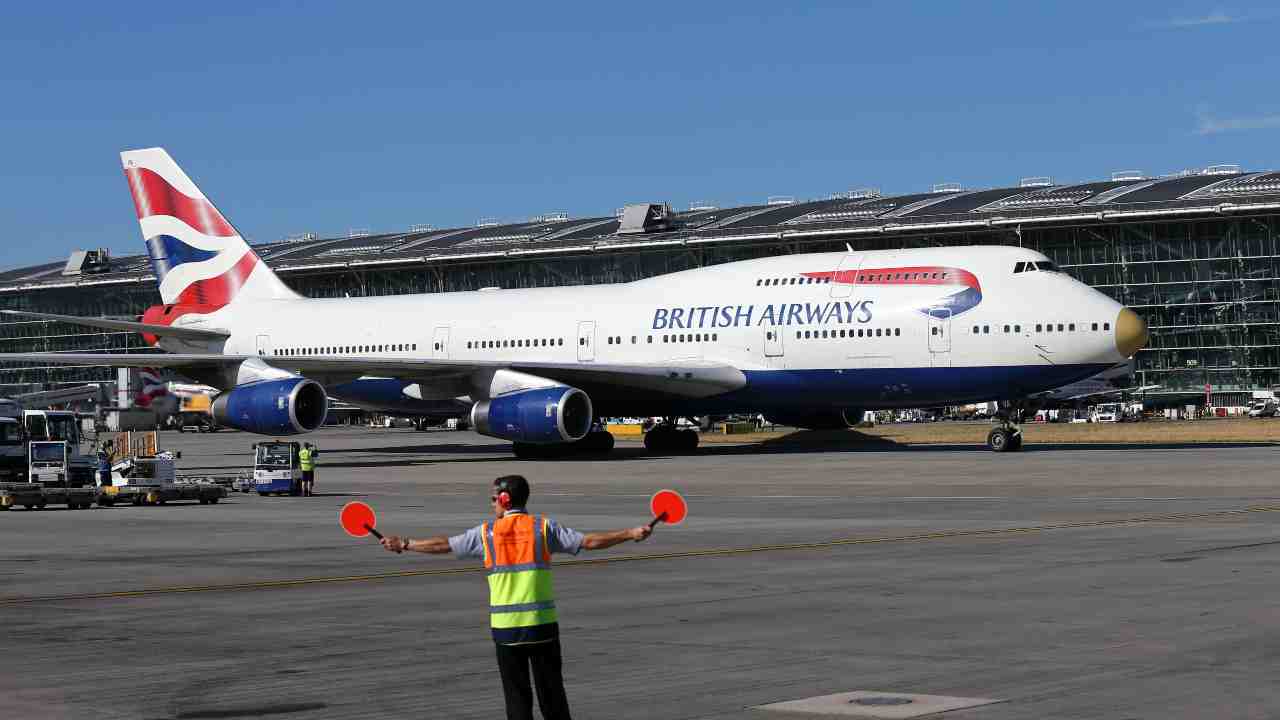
{"x":198,"y":257}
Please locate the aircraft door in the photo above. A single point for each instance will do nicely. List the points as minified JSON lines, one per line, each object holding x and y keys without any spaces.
{"x":440,"y":343}
{"x":264,"y":345}
{"x":940,"y":336}
{"x":773,"y":346}
{"x":587,"y":341}
{"x":846,"y":273}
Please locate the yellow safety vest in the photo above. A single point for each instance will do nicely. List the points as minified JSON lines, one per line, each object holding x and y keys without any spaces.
{"x":306,"y":459}
{"x":522,"y":604}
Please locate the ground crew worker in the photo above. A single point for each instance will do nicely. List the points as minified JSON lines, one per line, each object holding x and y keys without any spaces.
{"x":307,"y":461}
{"x":516,"y":548}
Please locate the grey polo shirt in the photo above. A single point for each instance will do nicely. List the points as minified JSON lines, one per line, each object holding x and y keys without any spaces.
{"x":560,"y":539}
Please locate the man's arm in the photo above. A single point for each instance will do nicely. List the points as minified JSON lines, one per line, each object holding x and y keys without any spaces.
{"x":602,"y":540}
{"x":438,"y":545}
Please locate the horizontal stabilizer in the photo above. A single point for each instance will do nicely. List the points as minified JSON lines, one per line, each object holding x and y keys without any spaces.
{"x":185,"y":333}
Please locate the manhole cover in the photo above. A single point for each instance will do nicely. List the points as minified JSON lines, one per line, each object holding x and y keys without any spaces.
{"x":881,"y":701}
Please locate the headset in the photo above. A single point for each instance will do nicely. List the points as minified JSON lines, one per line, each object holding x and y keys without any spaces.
{"x":501,"y":495}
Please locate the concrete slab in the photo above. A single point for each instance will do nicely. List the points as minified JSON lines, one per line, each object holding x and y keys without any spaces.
{"x":874,"y":704}
{"x":954,"y":570}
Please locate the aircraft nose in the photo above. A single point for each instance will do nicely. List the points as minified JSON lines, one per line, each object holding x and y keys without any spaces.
{"x":1131,"y":332}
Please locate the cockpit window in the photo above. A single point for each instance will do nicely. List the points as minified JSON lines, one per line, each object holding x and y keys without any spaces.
{"x":1021,"y":267}
{"x":1046,"y":266}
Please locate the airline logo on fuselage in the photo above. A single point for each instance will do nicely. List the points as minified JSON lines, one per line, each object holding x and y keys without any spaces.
{"x":967,"y":295}
{"x":726,"y":316}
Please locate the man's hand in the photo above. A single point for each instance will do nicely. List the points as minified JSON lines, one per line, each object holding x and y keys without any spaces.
{"x":640,"y":533}
{"x":395,"y":543}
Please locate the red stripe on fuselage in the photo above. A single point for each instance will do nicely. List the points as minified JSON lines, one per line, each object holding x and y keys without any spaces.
{"x":921,"y":275}
{"x":153,"y":195}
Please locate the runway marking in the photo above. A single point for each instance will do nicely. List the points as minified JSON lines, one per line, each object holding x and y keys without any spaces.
{"x":709,"y":552}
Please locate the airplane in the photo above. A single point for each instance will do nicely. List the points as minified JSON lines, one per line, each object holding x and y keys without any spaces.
{"x":807,"y":340}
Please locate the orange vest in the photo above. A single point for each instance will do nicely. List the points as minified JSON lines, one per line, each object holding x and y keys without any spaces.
{"x":522,"y":605}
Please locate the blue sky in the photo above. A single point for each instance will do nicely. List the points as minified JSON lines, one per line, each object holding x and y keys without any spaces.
{"x":324,"y":117}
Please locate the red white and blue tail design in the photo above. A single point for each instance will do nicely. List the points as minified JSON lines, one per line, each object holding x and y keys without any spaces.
{"x":199,"y":259}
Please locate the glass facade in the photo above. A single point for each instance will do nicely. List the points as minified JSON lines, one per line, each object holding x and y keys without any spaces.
{"x":1208,"y":288}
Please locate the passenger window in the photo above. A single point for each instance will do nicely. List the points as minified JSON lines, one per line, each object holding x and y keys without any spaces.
{"x":1048,"y":328}
{"x":933,"y":331}
{"x":975,"y":329}
{"x":1072,"y":327}
{"x":1095,"y":327}
{"x":1059,"y":327}
{"x":1106,"y":326}
{"x":897,"y":332}
{"x":1039,"y":328}
{"x":877,"y":332}
{"x":651,"y":339}
{"x":1006,"y":328}
{"x":1017,"y":328}
{"x":986,"y":329}
{"x":715,"y":337}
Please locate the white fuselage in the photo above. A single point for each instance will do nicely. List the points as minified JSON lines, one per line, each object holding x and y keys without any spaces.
{"x":868,"y":329}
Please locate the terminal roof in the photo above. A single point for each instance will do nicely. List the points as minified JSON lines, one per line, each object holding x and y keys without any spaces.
{"x":1214,"y":191}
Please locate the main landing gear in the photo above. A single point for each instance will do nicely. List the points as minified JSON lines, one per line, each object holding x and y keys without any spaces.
{"x":1007,"y":435}
{"x":666,"y":437}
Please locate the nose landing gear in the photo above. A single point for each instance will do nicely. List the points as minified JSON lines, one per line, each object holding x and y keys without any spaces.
{"x":1007,"y":435}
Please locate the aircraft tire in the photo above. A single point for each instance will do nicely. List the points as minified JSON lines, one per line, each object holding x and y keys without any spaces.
{"x":1015,"y":442}
{"x":659,"y":439}
{"x":688,"y":440}
{"x":998,"y":440}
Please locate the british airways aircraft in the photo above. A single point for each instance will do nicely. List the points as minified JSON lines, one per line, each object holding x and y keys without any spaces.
{"x":807,"y":340}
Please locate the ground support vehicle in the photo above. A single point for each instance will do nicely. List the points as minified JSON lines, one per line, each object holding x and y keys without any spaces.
{"x":151,"y":481}
{"x":33,"y":496}
{"x":63,"y":426}
{"x":276,"y":468}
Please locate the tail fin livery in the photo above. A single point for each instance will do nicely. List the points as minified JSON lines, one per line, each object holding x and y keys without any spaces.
{"x":198,"y":257}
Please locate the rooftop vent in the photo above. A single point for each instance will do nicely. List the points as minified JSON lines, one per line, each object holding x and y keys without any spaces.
{"x":702,"y":205}
{"x":488,"y":222}
{"x":1122,"y":175}
{"x":1043,"y":181}
{"x":358,"y":233}
{"x":88,"y":261}
{"x":645,"y":218}
{"x":1221,"y":170}
{"x":780,"y":200}
{"x":947,"y":188}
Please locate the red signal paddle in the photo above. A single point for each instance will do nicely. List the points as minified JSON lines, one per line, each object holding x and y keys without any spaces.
{"x":667,"y":506}
{"x":358,"y":520}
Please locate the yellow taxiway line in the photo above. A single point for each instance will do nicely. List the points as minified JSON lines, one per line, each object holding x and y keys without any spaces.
{"x":709,"y":552}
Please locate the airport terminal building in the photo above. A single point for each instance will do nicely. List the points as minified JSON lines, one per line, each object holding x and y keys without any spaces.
{"x":1196,"y":254}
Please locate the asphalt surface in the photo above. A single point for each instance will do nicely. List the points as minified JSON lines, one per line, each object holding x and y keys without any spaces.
{"x":1133,"y":582}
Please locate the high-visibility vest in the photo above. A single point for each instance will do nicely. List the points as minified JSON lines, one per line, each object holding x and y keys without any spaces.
{"x":306,"y":460}
{"x":522,"y":604}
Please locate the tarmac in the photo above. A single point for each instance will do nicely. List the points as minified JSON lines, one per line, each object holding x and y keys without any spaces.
{"x":1064,"y":582}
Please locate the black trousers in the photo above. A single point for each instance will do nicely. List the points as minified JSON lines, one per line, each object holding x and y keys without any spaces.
{"x":514,"y":664}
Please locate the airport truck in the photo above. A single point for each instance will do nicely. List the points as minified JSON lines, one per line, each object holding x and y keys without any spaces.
{"x":276,"y":468}
{"x":152,"y":481}
{"x":63,"y":426}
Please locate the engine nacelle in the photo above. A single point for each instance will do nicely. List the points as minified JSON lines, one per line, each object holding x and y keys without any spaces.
{"x":544,"y":415}
{"x":838,"y":419}
{"x":273,"y":407}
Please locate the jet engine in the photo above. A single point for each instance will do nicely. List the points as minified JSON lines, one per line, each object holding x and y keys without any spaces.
{"x":557,"y":414}
{"x":273,"y":407}
{"x":835,"y":419}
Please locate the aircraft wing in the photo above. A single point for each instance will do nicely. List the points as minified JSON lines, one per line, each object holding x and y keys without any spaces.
{"x":186,"y":333}
{"x":688,"y":379}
